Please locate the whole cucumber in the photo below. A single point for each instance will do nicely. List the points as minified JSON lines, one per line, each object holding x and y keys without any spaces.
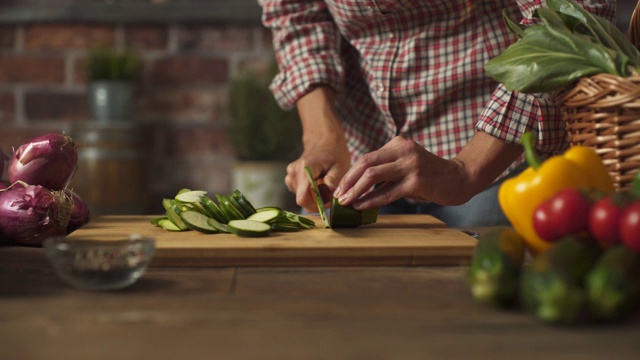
{"x":495,"y":267}
{"x":613,"y":284}
{"x":552,"y":287}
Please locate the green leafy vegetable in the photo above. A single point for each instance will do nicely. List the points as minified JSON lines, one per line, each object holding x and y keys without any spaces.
{"x":568,"y":44}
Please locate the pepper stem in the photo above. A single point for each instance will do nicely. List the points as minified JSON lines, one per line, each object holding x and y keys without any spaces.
{"x":528,"y":142}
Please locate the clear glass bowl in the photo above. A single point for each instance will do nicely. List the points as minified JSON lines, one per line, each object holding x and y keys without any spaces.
{"x":99,"y":265}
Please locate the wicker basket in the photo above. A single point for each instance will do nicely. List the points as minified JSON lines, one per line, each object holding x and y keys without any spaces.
{"x":603,"y":112}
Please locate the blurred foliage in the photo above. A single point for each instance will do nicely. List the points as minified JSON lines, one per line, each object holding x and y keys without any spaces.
{"x":259,"y":129}
{"x":110,"y":64}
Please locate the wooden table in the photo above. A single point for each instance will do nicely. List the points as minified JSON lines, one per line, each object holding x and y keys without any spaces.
{"x":279,"y":313}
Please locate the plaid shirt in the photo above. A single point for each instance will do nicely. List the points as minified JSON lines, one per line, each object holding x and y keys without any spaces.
{"x":411,"y":68}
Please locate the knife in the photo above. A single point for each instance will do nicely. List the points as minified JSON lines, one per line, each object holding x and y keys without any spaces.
{"x":317,"y":197}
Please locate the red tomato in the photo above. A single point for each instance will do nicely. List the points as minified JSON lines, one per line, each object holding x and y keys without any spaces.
{"x":630,"y":226}
{"x":604,"y":220}
{"x":566,"y":213}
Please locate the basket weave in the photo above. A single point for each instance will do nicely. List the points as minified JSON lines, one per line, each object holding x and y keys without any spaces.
{"x":603,"y":112}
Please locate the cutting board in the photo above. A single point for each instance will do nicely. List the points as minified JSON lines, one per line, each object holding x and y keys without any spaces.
{"x":394,"y":240}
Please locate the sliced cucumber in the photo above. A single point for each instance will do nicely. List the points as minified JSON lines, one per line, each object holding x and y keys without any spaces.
{"x":243,"y":201}
{"x":266,"y":216}
{"x":195,"y":220}
{"x":248,"y":228}
{"x":217,"y":213}
{"x":167,"y":203}
{"x":218,"y":225}
{"x":167,"y":224}
{"x":233,"y":202}
{"x":192,"y":196}
{"x":175,"y":218}
{"x":231,"y":212}
{"x":155,"y":220}
{"x":286,"y":226}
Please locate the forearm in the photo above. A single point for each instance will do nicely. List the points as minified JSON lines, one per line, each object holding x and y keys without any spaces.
{"x":484,"y":158}
{"x":320,"y":123}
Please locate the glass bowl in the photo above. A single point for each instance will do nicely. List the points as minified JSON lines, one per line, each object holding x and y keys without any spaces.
{"x":99,"y":264}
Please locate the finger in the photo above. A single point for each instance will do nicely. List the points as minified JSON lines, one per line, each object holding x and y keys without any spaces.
{"x":389,"y":153}
{"x":389,"y":172}
{"x":380,"y":196}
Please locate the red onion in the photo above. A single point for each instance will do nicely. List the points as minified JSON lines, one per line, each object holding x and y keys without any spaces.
{"x":80,"y":213}
{"x":3,"y":184}
{"x":31,"y":213}
{"x":49,"y":161}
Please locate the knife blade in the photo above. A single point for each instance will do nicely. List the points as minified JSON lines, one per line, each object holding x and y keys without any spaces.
{"x":317,"y":196}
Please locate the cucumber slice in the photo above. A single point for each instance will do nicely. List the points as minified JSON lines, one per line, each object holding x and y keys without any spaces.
{"x":248,"y":228}
{"x":192,"y":196}
{"x":244,"y":201}
{"x":175,"y":218}
{"x":198,"y":206}
{"x":168,"y":225}
{"x":303,"y":221}
{"x":195,"y":220}
{"x":231,"y":212}
{"x":237,"y":206}
{"x":183,"y":190}
{"x":156,"y":220}
{"x":317,"y":196}
{"x":218,"y":225}
{"x":167,"y":203}
{"x":217,"y":213}
{"x":285,"y":226}
{"x":266,"y":216}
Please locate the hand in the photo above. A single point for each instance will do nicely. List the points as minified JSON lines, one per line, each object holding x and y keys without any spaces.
{"x":328,"y":163}
{"x":325,"y":148}
{"x":403,"y":169}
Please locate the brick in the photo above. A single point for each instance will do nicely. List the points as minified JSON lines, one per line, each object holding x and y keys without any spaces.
{"x":63,"y":36}
{"x":7,"y":107}
{"x":179,"y":105}
{"x":197,"y":141}
{"x":31,"y":69}
{"x":215,"y":38}
{"x":61,"y":106}
{"x":7,"y":37}
{"x":14,"y":136}
{"x":189,"y":70}
{"x":140,"y":37}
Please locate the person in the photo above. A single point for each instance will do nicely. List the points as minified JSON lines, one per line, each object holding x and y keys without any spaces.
{"x":396,"y":109}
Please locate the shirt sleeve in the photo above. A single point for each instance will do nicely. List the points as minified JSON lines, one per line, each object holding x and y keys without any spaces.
{"x":306,"y":43}
{"x":510,"y":114}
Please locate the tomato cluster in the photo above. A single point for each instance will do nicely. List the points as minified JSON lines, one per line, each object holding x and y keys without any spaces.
{"x":610,"y":219}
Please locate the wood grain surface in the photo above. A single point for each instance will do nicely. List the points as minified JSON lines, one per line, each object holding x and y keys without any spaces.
{"x":394,"y":240}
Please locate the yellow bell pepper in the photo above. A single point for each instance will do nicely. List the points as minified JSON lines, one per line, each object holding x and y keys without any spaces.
{"x":579,"y":167}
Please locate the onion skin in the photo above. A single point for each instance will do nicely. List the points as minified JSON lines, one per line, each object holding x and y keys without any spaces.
{"x":50,"y":160}
{"x":80,"y":213}
{"x":31,"y":213}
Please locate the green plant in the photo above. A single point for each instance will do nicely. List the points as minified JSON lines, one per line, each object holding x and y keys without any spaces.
{"x":569,"y":43}
{"x":111,"y":64}
{"x":259,"y":129}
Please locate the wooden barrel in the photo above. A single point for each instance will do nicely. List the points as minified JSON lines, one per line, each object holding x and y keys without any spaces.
{"x":111,"y":175}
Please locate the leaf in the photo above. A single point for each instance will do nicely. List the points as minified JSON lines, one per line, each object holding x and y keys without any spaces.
{"x":603,"y":31}
{"x":549,"y":56}
{"x":513,"y":25}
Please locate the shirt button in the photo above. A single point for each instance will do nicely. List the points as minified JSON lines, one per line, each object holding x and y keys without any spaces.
{"x":378,"y":87}
{"x":370,"y":9}
{"x":390,"y":35}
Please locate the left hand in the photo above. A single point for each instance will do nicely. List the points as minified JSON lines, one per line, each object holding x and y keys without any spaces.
{"x":404,"y":169}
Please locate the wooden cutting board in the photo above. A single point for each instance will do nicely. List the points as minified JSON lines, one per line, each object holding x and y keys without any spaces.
{"x":394,"y":240}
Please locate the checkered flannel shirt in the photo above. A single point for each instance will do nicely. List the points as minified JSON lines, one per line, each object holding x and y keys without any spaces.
{"x":411,"y":68}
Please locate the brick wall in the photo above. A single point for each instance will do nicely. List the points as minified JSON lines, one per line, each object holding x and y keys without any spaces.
{"x":180,"y":96}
